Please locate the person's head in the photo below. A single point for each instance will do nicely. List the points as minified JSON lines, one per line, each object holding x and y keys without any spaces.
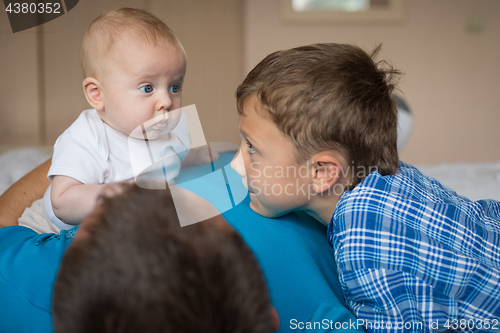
{"x":133,"y":67}
{"x":324,"y":107}
{"x":133,"y":268}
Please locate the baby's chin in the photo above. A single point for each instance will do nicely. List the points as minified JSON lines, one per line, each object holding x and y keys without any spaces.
{"x":151,"y":134}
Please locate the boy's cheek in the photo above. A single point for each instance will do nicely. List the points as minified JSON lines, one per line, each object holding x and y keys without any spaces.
{"x":253,"y":185}
{"x":253,"y":170}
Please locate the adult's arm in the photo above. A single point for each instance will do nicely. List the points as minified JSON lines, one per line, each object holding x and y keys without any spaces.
{"x":22,"y":194}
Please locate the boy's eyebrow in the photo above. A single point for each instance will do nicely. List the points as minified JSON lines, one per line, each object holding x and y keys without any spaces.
{"x":246,"y":136}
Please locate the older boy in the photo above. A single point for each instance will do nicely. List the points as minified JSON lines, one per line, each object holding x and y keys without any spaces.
{"x":319,"y":135}
{"x":134,"y":69}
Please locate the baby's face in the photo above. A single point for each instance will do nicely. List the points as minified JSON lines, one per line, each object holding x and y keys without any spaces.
{"x":267,"y":165}
{"x":142,"y":88}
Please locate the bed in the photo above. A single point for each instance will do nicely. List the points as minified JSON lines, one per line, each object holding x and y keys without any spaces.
{"x":473,"y":180}
{"x":16,"y":163}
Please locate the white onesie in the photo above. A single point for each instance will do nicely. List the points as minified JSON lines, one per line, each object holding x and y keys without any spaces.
{"x":92,"y":152}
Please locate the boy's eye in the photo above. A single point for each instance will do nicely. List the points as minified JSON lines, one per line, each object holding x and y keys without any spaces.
{"x":251,"y":149}
{"x":175,"y":88}
{"x":147,"y":88}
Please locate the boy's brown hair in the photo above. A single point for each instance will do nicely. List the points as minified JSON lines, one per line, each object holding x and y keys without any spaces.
{"x":110,"y":27}
{"x":330,"y":96}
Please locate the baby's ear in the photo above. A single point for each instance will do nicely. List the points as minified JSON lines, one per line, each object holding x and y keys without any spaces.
{"x":93,"y":92}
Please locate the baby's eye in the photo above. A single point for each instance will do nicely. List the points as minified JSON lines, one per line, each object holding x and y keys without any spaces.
{"x":251,"y":149}
{"x":175,"y":88}
{"x":147,"y":88}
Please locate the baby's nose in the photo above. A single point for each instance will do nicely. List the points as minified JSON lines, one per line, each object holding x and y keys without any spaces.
{"x":164,"y":103}
{"x":238,"y":165}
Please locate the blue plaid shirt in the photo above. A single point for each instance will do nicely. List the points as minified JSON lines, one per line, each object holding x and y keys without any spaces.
{"x":413,"y":256}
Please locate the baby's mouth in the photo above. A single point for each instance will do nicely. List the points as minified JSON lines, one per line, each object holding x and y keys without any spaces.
{"x":160,"y":125}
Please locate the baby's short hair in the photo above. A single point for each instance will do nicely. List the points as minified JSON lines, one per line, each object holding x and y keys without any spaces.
{"x":110,"y":27}
{"x":330,"y":96}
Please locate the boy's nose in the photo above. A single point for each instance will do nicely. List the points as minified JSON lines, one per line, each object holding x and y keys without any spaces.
{"x":238,"y":165}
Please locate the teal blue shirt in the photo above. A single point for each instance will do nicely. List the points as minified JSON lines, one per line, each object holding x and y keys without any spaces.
{"x":293,"y":252}
{"x":28,"y":267}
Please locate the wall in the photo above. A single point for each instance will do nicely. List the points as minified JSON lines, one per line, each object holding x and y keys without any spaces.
{"x":452,"y":76}
{"x":19,"y":94}
{"x":212,"y":35}
{"x":451,"y":82}
{"x":40,"y":75}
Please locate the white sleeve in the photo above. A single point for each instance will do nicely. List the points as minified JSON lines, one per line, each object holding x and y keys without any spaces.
{"x":78,"y":157}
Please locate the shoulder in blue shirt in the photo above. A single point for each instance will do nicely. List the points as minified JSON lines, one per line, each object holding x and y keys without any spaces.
{"x":28,"y":266}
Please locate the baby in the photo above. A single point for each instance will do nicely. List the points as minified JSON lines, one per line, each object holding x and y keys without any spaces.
{"x":134,"y":69}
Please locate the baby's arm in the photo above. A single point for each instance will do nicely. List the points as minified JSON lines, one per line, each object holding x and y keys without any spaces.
{"x":72,"y":200}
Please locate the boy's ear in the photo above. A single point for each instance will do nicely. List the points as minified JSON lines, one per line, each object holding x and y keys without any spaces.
{"x":327,"y":171}
{"x":92,"y":89}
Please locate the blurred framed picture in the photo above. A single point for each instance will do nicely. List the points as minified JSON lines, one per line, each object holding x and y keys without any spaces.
{"x":342,"y":11}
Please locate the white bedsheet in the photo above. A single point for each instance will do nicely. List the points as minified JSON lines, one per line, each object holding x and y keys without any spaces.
{"x":473,"y":180}
{"x":16,"y":163}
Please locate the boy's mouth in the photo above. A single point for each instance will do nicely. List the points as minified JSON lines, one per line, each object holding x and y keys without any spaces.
{"x":245,"y":183}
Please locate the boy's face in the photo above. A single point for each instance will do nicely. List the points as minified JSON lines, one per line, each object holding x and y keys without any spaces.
{"x":143,"y":82}
{"x":267,"y":165}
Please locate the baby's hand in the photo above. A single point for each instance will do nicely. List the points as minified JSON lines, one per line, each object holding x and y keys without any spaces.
{"x":72,"y":200}
{"x":114,"y":189}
